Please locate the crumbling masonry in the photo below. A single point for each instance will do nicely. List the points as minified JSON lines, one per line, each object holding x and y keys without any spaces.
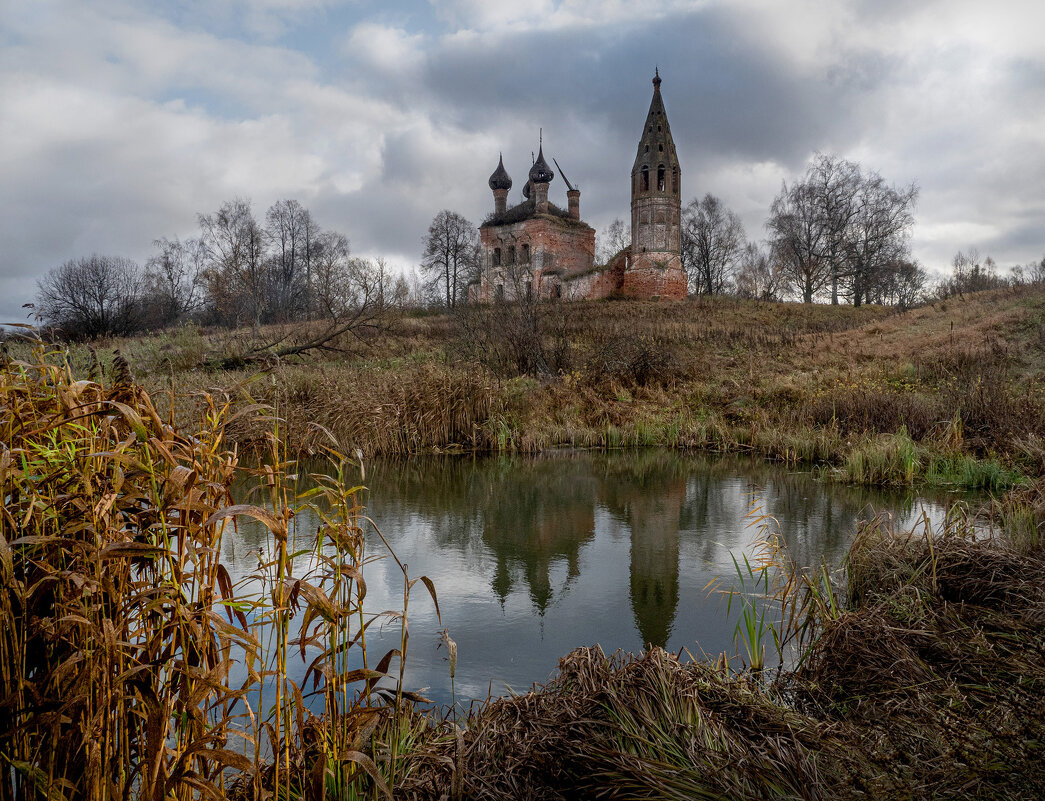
{"x":537,"y":249}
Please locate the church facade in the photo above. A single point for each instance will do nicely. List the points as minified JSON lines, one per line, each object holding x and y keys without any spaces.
{"x":538,"y":249}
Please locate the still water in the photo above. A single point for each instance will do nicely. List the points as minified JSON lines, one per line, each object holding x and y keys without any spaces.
{"x":534,"y":556}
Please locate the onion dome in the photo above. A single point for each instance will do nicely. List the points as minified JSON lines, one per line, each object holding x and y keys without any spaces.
{"x":500,"y":178}
{"x":540,"y":172}
{"x":527,"y":187}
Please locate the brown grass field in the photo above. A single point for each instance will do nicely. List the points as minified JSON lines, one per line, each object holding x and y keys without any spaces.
{"x":952,"y":393}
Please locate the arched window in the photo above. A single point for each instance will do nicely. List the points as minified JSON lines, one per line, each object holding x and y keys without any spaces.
{"x":660,"y":178}
{"x":645,"y":179}
{"x":496,"y":257}
{"x":675,"y":180}
{"x":526,"y":254}
{"x":661,"y":148}
{"x":511,"y":254}
{"x":647,"y":149}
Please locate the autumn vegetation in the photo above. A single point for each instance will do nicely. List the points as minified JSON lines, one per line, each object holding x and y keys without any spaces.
{"x":132,"y":666}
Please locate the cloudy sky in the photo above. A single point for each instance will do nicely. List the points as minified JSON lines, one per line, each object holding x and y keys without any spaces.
{"x":120,"y":120}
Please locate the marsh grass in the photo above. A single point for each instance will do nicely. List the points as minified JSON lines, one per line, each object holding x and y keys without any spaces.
{"x":121,"y":624}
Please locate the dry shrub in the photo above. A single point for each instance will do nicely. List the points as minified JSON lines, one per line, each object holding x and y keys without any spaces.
{"x":633,"y":362}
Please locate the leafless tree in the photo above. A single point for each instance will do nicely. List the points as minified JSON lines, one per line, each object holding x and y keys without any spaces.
{"x":523,"y":331}
{"x":173,"y":278}
{"x":841,"y":228}
{"x":712,"y":239}
{"x":235,"y":274}
{"x":902,"y":283}
{"x":970,"y":274}
{"x":91,"y":297}
{"x":759,"y":275}
{"x":797,"y":232}
{"x":450,"y":257}
{"x":836,"y":184}
{"x":292,"y":237}
{"x":612,"y":241}
{"x":878,"y":235}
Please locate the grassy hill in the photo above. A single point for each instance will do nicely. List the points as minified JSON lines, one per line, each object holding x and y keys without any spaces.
{"x":950,"y":393}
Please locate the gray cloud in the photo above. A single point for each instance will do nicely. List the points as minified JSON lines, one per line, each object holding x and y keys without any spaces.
{"x":120,"y":125}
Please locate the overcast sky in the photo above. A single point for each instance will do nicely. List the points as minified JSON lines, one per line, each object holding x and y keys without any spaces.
{"x":120,"y":120}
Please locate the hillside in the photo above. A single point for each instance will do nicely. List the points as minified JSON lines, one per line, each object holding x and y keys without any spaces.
{"x":951,"y":393}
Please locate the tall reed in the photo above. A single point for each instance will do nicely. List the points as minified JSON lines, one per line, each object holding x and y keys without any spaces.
{"x":121,"y":627}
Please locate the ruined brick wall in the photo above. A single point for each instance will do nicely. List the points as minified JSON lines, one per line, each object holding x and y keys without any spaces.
{"x":655,"y":276}
{"x":600,"y":283}
{"x":542,"y":250}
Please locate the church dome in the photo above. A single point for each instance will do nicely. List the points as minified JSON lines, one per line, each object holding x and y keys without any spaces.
{"x":500,"y":178}
{"x":527,"y":188}
{"x":540,"y":172}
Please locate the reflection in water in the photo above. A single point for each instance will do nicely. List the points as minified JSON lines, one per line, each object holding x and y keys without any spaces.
{"x":533,"y":556}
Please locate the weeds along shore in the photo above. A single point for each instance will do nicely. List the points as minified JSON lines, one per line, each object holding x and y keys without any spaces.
{"x":131,"y":665}
{"x":950,"y":394}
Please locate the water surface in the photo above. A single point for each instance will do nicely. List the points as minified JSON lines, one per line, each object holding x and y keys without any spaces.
{"x":534,"y":556}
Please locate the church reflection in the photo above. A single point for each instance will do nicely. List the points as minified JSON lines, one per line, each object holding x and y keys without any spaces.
{"x":524,"y":522}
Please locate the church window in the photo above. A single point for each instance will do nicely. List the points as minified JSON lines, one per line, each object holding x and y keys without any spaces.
{"x":496,"y":257}
{"x":647,"y":149}
{"x":675,"y":180}
{"x":658,"y":129}
{"x":511,"y":254}
{"x":661,"y":148}
{"x":499,"y":292}
{"x":526,"y":254}
{"x":557,"y":291}
{"x":660,"y":178}
{"x":645,"y":179}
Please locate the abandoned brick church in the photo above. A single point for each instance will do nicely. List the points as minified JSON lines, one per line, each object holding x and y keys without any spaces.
{"x":537,"y":249}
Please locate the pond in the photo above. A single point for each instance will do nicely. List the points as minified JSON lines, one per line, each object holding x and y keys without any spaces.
{"x":534,"y":556}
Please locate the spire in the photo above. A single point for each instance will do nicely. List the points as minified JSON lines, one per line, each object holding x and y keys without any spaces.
{"x":656,"y":145}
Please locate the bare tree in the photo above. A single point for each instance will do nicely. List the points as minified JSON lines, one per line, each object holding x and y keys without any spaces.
{"x":524,"y":331}
{"x":835,"y":183}
{"x":291,"y":235}
{"x":796,"y":227}
{"x":92,"y":297}
{"x":450,"y":256}
{"x":712,"y":239}
{"x":612,"y":241}
{"x":173,"y":279}
{"x":901,"y":283}
{"x":235,"y":274}
{"x":759,"y":276}
{"x":878,"y":235}
{"x":969,"y":274}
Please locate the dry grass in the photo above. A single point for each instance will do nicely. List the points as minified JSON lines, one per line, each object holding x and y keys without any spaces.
{"x":119,"y":623}
{"x":962,"y":379}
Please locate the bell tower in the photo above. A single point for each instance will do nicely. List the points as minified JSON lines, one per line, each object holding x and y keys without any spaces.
{"x":655,"y":266}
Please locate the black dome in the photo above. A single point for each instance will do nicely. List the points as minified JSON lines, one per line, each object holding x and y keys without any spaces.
{"x":500,"y":178}
{"x":540,"y":172}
